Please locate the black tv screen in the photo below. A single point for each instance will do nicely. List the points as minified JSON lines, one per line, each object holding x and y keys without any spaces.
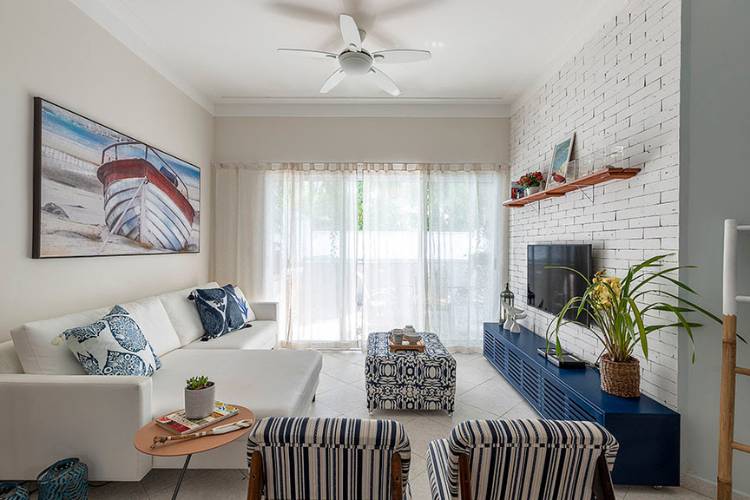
{"x":550,"y":289}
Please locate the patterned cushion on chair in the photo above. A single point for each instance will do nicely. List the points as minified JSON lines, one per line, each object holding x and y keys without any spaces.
{"x":524,"y":459}
{"x":328,"y":458}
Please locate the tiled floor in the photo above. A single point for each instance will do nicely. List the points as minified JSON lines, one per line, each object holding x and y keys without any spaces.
{"x":480,"y":393}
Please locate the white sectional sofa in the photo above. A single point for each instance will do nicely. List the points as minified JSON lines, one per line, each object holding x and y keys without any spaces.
{"x":49,"y":409}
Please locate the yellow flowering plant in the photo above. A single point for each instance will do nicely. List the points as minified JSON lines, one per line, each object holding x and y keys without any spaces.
{"x":619,"y":317}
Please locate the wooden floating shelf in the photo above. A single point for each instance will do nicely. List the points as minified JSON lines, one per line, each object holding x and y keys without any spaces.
{"x":592,"y":179}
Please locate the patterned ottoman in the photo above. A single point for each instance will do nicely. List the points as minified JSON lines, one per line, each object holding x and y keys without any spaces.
{"x":409,"y":380}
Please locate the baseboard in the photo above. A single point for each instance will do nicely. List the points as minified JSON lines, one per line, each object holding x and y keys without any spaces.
{"x":706,"y":488}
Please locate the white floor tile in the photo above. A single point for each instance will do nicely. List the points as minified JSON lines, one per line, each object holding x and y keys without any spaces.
{"x":481,"y":394}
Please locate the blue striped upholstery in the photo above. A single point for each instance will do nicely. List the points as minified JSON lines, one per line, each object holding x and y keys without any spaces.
{"x":521,"y":459}
{"x":329,"y":458}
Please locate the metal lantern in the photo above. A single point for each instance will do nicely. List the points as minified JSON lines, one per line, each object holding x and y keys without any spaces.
{"x":506,"y":302}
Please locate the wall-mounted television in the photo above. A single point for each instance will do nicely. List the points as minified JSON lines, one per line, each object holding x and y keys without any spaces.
{"x":550,"y":289}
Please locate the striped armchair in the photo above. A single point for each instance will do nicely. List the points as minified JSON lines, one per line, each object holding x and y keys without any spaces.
{"x":523,"y":460}
{"x":327,"y":458}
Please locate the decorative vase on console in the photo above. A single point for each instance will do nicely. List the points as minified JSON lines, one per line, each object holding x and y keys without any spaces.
{"x":619,"y":317}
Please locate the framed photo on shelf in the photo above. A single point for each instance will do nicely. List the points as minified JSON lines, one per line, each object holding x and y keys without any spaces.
{"x":558,"y":170}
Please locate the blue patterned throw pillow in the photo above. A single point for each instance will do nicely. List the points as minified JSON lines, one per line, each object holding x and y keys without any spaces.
{"x":114,"y":345}
{"x":222,"y":310}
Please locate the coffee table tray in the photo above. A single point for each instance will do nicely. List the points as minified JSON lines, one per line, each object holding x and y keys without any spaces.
{"x":417,"y":347}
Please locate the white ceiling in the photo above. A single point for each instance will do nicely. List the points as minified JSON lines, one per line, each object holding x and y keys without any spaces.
{"x":224,"y":51}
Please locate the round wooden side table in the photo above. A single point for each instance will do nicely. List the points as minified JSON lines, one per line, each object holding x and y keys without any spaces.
{"x":144,"y":438}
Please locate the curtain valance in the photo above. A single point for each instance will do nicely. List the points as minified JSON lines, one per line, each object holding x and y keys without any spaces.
{"x":360,"y":166}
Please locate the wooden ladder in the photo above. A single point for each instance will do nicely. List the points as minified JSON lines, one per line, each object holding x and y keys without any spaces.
{"x":729,"y":368}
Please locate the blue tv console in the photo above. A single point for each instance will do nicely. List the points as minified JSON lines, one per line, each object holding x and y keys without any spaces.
{"x":648,"y":432}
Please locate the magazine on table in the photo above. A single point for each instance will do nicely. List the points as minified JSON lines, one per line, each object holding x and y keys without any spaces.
{"x":177,"y":423}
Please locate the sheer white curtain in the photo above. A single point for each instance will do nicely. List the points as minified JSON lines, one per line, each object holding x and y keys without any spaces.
{"x":305,"y":255}
{"x":393,"y":253}
{"x":347,"y":249}
{"x":433,"y":249}
{"x":464,"y":253}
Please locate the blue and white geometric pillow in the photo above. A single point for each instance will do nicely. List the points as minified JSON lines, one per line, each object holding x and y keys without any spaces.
{"x":114,"y":345}
{"x":222,"y":310}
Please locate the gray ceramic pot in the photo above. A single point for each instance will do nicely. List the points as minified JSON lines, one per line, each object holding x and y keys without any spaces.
{"x":200,"y":403}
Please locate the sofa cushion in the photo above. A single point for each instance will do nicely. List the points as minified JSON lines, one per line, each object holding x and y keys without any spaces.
{"x":112,"y":345}
{"x":183,"y":314}
{"x":151,"y":316}
{"x":39,"y":347}
{"x":270,"y":383}
{"x":222,"y":310}
{"x":259,"y":335}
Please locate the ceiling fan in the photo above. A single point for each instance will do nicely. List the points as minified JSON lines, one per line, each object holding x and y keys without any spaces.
{"x":356,"y":60}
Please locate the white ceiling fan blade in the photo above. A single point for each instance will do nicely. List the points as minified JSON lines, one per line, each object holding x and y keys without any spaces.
{"x":332,"y":81}
{"x":314,"y":54}
{"x":395,"y":56}
{"x":384,"y":81}
{"x":350,"y":32}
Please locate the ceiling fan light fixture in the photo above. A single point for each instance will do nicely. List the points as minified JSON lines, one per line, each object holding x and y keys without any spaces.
{"x":355,"y":63}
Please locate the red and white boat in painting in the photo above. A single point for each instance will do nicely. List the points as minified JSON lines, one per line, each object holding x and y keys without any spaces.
{"x":145,"y":200}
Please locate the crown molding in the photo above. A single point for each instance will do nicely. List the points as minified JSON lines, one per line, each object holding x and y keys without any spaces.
{"x":385,"y":107}
{"x":112,"y":18}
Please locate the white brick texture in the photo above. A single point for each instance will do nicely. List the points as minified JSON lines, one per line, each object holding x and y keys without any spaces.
{"x":621,"y":89}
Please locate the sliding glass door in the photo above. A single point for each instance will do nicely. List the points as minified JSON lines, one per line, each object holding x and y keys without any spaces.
{"x":348,"y":249}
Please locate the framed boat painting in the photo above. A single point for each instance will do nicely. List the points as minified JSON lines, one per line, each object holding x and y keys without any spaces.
{"x":98,"y":192}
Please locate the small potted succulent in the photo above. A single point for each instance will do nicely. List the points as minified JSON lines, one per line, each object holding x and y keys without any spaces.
{"x":199,"y":397}
{"x":532,"y":182}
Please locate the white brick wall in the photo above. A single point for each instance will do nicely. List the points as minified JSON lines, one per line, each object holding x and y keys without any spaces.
{"x":623,"y":89}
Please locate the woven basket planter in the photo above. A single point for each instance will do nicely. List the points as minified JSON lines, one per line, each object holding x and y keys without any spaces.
{"x":620,"y":378}
{"x":13,"y":491}
{"x":64,"y":480}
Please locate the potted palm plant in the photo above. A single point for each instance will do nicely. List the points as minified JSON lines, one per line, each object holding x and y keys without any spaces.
{"x":621,"y":314}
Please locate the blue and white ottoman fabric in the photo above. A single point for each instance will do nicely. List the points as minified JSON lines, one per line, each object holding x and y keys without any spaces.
{"x":329,"y":458}
{"x":409,"y":380}
{"x":520,"y":459}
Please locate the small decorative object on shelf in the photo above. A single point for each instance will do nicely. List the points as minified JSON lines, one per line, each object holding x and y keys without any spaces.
{"x":532,"y":183}
{"x":513,"y":314}
{"x":13,"y":491}
{"x":516,"y":190}
{"x":558,"y":170}
{"x":506,"y":302}
{"x":66,"y":479}
{"x":199,"y":397}
{"x":620,"y":319}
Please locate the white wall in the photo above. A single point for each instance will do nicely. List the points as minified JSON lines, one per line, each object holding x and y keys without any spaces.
{"x":440,"y":140}
{"x":715,"y":152}
{"x":621,"y":88}
{"x":51,"y":49}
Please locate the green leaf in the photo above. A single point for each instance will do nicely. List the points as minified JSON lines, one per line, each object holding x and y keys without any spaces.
{"x":588,"y":282}
{"x":641,"y":326}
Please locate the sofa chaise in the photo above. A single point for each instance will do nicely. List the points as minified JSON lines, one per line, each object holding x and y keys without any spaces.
{"x":51,"y":409}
